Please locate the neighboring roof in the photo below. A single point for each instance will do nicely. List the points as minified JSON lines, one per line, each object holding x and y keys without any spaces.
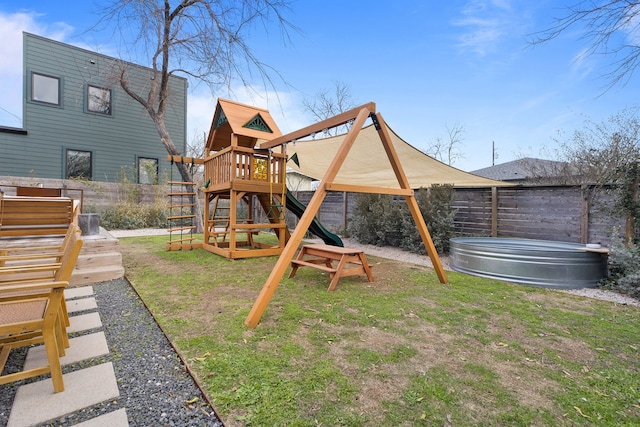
{"x":251,"y":124}
{"x":367,"y":163}
{"x":521,"y":169}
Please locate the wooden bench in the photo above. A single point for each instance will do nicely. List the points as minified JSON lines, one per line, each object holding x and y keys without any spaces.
{"x":22,"y":216}
{"x":323,"y":256}
{"x":219,"y":230}
{"x":38,"y":192}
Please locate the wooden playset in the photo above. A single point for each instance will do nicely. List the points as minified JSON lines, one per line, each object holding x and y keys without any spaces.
{"x":237,"y":176}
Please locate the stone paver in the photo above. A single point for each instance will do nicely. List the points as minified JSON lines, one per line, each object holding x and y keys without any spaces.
{"x":36,"y":402}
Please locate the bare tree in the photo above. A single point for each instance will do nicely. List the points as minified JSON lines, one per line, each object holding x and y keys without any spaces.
{"x":611,"y":27}
{"x":447,"y":150}
{"x":607,"y":154}
{"x":600,"y":152}
{"x":204,"y":40}
{"x":328,"y":103}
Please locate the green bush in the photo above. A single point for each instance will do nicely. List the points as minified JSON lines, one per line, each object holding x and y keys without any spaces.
{"x":436,"y":208}
{"x":382,"y":220}
{"x":131,"y":216}
{"x":624,"y":269}
{"x":367,"y":218}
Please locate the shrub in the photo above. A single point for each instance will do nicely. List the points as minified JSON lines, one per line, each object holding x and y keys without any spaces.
{"x":436,"y":207}
{"x":384,"y":221}
{"x":624,"y":269}
{"x":131,"y":216}
{"x":367,"y":218}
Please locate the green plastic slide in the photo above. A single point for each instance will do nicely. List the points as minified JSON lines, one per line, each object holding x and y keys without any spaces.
{"x":316,"y":227}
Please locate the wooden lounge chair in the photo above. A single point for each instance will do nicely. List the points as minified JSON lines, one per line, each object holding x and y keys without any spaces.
{"x":47,"y":265}
{"x":12,"y":277}
{"x":33,"y":317}
{"x":52,"y":253}
{"x":37,"y":216}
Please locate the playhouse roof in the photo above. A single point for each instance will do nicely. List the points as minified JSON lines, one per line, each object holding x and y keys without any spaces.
{"x":251,"y":125}
{"x":367,"y":163}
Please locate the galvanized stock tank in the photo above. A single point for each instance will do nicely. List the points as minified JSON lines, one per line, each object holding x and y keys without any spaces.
{"x":554,"y":265}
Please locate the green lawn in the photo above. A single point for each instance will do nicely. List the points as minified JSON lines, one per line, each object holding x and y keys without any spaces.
{"x":405,"y":350}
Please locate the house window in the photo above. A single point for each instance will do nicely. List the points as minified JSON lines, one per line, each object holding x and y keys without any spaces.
{"x":98,"y":100}
{"x":147,"y":170}
{"x":79,"y":164}
{"x":45,"y":89}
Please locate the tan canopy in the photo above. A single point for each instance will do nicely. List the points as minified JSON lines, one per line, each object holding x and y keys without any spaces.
{"x":368,"y":164}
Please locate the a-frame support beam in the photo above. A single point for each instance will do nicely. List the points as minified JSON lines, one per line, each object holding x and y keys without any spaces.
{"x":410,"y":199}
{"x":359,"y":115}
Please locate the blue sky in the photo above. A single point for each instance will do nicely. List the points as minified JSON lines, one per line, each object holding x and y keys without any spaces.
{"x":427,"y":65}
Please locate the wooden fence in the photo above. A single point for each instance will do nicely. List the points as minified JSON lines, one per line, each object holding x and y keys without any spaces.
{"x":561,"y":213}
{"x":94,"y":195}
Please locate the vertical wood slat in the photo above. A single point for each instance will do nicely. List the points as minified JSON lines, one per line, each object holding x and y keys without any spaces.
{"x":584,"y":217}
{"x":494,"y":211}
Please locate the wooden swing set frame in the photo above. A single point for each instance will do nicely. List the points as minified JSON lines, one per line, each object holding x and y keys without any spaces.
{"x":358,"y":115}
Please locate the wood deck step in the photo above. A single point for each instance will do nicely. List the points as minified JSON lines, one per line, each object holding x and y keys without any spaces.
{"x":92,"y":260}
{"x":96,"y":274}
{"x":100,"y":259}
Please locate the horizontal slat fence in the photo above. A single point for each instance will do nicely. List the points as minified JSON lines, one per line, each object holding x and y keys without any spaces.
{"x":558,"y":213}
{"x":562,"y":213}
{"x":537,"y":212}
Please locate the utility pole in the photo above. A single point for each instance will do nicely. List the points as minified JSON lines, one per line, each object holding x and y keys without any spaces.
{"x":494,"y":155}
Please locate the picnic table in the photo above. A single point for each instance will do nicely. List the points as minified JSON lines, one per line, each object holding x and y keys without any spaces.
{"x":322,"y":257}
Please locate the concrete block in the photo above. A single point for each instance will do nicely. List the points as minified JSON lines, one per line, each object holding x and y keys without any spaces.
{"x":89,"y":224}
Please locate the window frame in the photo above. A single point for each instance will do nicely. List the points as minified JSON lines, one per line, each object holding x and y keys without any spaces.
{"x":140,"y":160}
{"x":66,"y":164}
{"x":88,"y":100}
{"x":32,"y":91}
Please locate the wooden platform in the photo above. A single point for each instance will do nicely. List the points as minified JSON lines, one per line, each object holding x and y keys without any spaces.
{"x":100,"y":259}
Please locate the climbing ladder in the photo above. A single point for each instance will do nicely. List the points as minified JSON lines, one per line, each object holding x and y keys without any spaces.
{"x":182,"y":210}
{"x":219,"y":223}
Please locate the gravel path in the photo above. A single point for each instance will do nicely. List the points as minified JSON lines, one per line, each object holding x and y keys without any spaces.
{"x":155,"y":389}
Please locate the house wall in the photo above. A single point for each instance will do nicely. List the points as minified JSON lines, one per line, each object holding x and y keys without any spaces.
{"x":115,"y":140}
{"x":299,"y":182}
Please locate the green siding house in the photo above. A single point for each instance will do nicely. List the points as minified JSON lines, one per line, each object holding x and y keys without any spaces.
{"x":79,"y":123}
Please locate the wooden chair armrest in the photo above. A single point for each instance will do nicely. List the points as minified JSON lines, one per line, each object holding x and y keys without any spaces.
{"x":34,"y":255}
{"x":32,"y":286}
{"x":30,"y":268}
{"x":34,"y":249}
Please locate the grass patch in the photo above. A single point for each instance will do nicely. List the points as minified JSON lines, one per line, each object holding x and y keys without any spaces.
{"x":404,"y":350}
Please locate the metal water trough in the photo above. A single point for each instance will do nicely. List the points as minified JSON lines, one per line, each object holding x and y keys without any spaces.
{"x":548,"y":264}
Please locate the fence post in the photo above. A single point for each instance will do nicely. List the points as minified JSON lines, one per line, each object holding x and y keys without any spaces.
{"x":630,"y":214}
{"x":494,"y":211}
{"x":585,"y":206}
{"x":345,"y":210}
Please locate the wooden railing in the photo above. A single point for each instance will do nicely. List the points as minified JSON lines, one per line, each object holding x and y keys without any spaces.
{"x":244,"y":164}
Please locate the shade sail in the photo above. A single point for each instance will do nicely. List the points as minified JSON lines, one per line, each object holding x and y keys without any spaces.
{"x":367,"y":163}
